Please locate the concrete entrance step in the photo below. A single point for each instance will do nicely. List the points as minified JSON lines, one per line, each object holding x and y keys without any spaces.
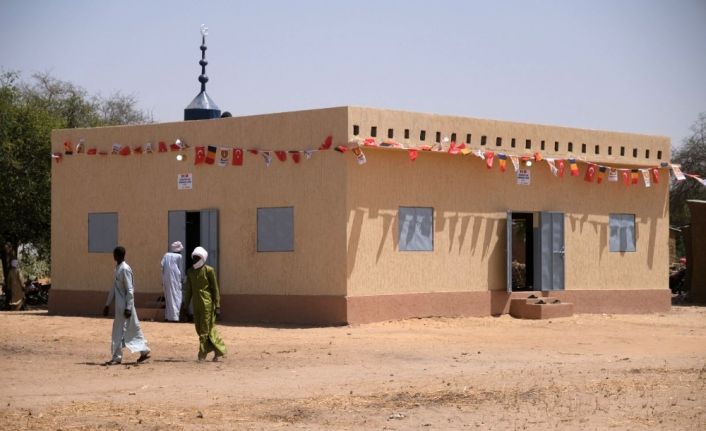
{"x":540,"y":308}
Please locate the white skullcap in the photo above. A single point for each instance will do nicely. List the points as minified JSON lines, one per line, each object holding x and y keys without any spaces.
{"x":176,"y":247}
{"x":203,"y":254}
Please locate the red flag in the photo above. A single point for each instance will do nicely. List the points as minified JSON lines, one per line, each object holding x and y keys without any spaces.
{"x":327,"y":143}
{"x":561,"y":166}
{"x":590,"y":173}
{"x":200,"y":155}
{"x":341,"y":148}
{"x":296,"y":156}
{"x":655,"y":175}
{"x":124,"y":151}
{"x":626,"y":177}
{"x":175,"y":147}
{"x":412,"y":154}
{"x":634,"y":176}
{"x":281,"y":155}
{"x":489,"y":157}
{"x":255,"y":152}
{"x":67,"y":148}
{"x":370,"y":142}
{"x":453,"y":149}
{"x":211,"y":155}
{"x":92,"y":151}
{"x":237,"y":157}
{"x":137,"y":149}
{"x":162,"y":147}
{"x":601,"y":171}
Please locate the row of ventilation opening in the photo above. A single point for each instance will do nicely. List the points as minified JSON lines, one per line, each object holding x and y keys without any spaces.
{"x":513,"y":142}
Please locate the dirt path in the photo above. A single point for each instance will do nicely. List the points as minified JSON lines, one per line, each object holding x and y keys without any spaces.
{"x":583,"y":372}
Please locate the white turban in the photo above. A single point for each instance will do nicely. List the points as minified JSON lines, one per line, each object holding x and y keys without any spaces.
{"x":202,"y":253}
{"x":14,"y":263}
{"x":176,"y":247}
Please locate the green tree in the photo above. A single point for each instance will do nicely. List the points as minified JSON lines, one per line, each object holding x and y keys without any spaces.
{"x":692,"y":157}
{"x":28,"y":113}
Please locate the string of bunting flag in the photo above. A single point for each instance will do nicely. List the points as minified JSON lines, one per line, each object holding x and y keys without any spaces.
{"x":224,"y":156}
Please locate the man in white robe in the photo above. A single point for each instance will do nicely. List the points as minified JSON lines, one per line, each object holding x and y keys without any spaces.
{"x":172,"y":270}
{"x":126,"y":326}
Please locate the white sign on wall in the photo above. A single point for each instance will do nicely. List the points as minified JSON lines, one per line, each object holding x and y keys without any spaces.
{"x":523,"y":177}
{"x":185,"y":181}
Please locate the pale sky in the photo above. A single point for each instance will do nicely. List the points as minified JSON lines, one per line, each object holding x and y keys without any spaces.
{"x":624,"y":65}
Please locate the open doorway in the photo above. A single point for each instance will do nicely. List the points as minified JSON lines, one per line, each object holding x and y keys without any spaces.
{"x":193,"y":234}
{"x":193,"y":229}
{"x":535,"y":251}
{"x":522,"y":252}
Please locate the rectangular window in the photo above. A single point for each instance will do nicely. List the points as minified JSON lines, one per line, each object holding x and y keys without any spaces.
{"x":275,"y":229}
{"x":416,"y":228}
{"x":622,"y":232}
{"x":102,"y":232}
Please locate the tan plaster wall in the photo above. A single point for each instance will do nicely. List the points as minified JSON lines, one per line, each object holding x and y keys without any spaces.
{"x":447,"y":125}
{"x":470,"y":204}
{"x":143,"y":188}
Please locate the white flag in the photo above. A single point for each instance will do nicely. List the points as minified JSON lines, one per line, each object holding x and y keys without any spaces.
{"x":552,"y":167}
{"x":613,"y":175}
{"x":646,"y":177}
{"x":677,"y":172}
{"x":515,"y":162}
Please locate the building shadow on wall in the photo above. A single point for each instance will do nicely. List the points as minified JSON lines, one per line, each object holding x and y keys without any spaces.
{"x":482,"y":229}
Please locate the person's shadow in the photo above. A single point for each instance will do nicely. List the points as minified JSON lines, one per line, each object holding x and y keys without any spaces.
{"x":131,"y":363}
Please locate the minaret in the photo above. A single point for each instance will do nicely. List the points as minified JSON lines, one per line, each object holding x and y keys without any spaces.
{"x":202,"y":107}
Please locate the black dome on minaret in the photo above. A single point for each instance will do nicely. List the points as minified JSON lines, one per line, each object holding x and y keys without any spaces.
{"x":202,"y":107}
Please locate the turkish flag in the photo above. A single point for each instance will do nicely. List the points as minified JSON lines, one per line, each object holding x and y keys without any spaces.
{"x":590,"y":173}
{"x":237,"y":157}
{"x":281,"y":155}
{"x":296,"y":156}
{"x":200,"y":155}
{"x":162,"y":147}
{"x":561,"y":166}
{"x":175,"y":147}
{"x":655,"y":175}
{"x":124,"y":151}
{"x":626,"y":177}
{"x":412,"y":155}
{"x":137,"y":149}
{"x":92,"y":151}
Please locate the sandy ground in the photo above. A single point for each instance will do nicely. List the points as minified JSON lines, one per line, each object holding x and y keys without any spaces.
{"x":585,"y":372}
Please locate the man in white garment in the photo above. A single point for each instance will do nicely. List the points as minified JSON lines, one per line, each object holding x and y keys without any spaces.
{"x":172,"y":269}
{"x":126,"y":326}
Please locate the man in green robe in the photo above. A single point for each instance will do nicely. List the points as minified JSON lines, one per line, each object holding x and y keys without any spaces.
{"x":202,"y":289}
